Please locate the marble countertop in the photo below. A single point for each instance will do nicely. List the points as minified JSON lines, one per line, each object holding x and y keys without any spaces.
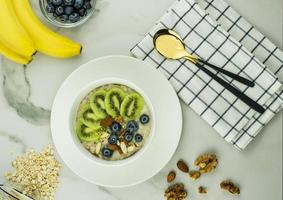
{"x":26,"y":96}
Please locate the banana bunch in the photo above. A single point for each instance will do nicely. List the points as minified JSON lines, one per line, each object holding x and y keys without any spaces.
{"x":22,"y":34}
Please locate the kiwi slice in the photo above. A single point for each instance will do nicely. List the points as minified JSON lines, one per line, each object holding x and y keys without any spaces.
{"x":87,"y":116}
{"x":113,"y":101}
{"x":132,"y":106}
{"x":86,"y":133}
{"x":97,"y":103}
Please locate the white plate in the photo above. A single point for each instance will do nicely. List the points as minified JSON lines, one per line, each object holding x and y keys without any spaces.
{"x":166,"y":115}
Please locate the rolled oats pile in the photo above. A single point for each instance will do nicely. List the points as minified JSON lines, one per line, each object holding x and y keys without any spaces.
{"x":36,"y":174}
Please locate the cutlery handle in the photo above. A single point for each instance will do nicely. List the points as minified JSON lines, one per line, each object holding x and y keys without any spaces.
{"x":230,"y":74}
{"x":247,"y":100}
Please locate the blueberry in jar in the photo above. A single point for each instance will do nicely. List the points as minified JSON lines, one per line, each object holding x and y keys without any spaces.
{"x":59,"y":10}
{"x":50,"y":8}
{"x":79,"y":3}
{"x":132,"y":126}
{"x":115,"y":127}
{"x":68,"y":10}
{"x":87,"y":5}
{"x":63,"y":18}
{"x":144,"y":118}
{"x":138,"y":137}
{"x":74,"y":17}
{"x":107,"y":152}
{"x":56,"y":2}
{"x":82,"y":12}
{"x":113,"y":139}
{"x":68,"y":2}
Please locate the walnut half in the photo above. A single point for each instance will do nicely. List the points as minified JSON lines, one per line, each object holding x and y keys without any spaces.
{"x":206,"y":163}
{"x":175,"y":192}
{"x":230,"y":187}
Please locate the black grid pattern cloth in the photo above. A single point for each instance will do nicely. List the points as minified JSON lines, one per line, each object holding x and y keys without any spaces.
{"x":205,"y":38}
{"x":270,"y":55}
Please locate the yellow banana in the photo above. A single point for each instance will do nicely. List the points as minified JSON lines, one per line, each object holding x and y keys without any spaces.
{"x":12,"y":34}
{"x":45,"y":40}
{"x":13,"y":56}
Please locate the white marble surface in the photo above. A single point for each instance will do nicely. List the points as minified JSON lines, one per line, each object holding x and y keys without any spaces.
{"x":26,"y":97}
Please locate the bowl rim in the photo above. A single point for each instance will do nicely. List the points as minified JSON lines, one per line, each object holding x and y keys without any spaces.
{"x":92,"y":172}
{"x":46,"y":15}
{"x":73,"y":113}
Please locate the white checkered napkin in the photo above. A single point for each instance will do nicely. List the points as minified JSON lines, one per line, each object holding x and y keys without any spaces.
{"x":262,"y":48}
{"x":206,"y":39}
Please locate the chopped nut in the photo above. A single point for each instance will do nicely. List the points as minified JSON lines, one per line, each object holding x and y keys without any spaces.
{"x":230,"y":187}
{"x":202,"y":190}
{"x":119,"y":119}
{"x":131,"y":148}
{"x":194,"y":174}
{"x":171,"y":176}
{"x":124,"y":148}
{"x":206,"y":163}
{"x":106,"y":122}
{"x":97,"y":148}
{"x":175,"y":192}
{"x":182,"y":166}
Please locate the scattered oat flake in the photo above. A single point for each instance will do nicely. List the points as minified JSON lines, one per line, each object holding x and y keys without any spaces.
{"x":36,"y":174}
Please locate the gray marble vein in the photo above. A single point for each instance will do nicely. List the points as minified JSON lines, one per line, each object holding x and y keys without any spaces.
{"x":16,"y":140}
{"x":17,"y":91}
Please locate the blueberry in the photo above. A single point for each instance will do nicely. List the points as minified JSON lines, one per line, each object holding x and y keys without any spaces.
{"x":128,"y":137}
{"x":107,"y":152}
{"x":82,"y":12}
{"x":144,"y":118}
{"x":132,"y":126}
{"x":56,"y":2}
{"x":63,"y":18}
{"x":68,"y":10}
{"x":138,"y":137}
{"x":68,"y":2}
{"x":79,"y":3}
{"x":74,"y":17}
{"x":87,"y":5}
{"x":50,"y":8}
{"x":115,"y":127}
{"x":113,"y":139}
{"x":59,"y":10}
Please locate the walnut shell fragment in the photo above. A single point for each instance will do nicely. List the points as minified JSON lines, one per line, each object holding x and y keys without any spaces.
{"x":230,"y":187}
{"x":175,"y":192}
{"x":206,"y":163}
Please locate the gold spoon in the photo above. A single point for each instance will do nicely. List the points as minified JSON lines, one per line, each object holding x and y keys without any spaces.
{"x":169,"y":44}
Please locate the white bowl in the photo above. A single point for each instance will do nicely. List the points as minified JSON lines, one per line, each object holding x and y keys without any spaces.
{"x":83,"y":93}
{"x":164,"y":107}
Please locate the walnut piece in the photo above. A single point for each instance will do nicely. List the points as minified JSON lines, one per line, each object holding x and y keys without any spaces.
{"x":206,"y":163}
{"x":202,"y":190}
{"x":230,"y":187}
{"x":194,"y":174}
{"x":175,"y":192}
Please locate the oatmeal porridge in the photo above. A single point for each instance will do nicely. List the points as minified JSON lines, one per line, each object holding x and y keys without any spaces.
{"x":113,"y":122}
